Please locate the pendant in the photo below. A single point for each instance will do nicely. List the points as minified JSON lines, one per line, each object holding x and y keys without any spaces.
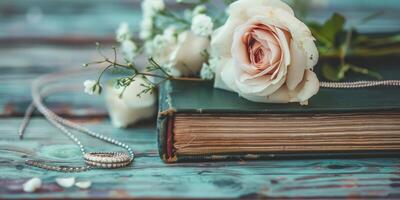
{"x":107,"y":160}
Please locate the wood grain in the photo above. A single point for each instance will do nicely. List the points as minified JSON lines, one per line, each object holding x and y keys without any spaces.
{"x":41,"y":36}
{"x":44,"y":20}
{"x":148,"y":177}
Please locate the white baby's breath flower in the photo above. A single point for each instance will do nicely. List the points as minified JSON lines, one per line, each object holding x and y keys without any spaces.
{"x":151,"y":7}
{"x":202,"y":25}
{"x":162,"y":45}
{"x":159,"y":41}
{"x":123,"y":33}
{"x":146,"y":28}
{"x":214,"y":62}
{"x":170,"y":34}
{"x":206,"y":72}
{"x":200,"y":9}
{"x":92,"y":87}
{"x":171,"y":70}
{"x":129,"y":50}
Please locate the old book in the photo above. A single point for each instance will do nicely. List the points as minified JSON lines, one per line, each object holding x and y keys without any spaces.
{"x":197,"y":122}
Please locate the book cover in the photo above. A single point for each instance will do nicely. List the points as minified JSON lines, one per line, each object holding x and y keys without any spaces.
{"x":200,"y":99}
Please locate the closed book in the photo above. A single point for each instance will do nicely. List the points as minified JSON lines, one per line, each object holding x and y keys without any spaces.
{"x":198,"y":123}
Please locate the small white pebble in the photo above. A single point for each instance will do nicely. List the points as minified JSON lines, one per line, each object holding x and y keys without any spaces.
{"x":32,"y":185}
{"x":65,"y":182}
{"x":83,"y":184}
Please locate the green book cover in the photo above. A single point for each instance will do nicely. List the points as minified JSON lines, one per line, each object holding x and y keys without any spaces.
{"x":201,"y":97}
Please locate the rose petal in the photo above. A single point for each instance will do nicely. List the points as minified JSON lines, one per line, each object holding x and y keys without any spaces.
{"x":227,"y":76}
{"x":284,"y":43}
{"x":246,"y":77}
{"x":297,"y":67}
{"x":259,"y":86}
{"x":300,"y":33}
{"x":279,"y":96}
{"x":219,"y":82}
{"x":311,"y":52}
{"x":239,"y":50}
{"x":250,"y":73}
{"x":298,"y":30}
{"x":308,"y":88}
{"x":222,"y":38}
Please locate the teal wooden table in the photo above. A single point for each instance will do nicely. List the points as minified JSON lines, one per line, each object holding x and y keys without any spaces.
{"x":38,"y":37}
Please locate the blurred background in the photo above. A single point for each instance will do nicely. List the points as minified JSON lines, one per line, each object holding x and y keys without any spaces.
{"x":29,"y":19}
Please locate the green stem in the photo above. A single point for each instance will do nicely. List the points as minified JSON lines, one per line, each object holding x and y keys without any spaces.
{"x":153,"y":62}
{"x":365,"y":71}
{"x":172,"y":16}
{"x":102,"y":72}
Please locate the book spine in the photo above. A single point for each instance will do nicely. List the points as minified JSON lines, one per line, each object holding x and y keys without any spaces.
{"x":165,"y":124}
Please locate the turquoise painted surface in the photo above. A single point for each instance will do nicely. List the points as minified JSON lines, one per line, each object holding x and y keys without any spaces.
{"x":99,"y":18}
{"x":148,"y":176}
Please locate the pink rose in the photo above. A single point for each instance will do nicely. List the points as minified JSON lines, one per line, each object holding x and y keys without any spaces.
{"x":266,"y":54}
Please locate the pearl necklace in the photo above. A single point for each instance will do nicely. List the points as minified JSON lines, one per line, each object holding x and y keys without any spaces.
{"x":110,"y":160}
{"x":104,"y":160}
{"x":359,"y":84}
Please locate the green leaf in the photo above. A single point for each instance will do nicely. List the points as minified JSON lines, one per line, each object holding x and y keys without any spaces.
{"x":330,"y":73}
{"x":333,"y":27}
{"x":328,"y":33}
{"x":316,"y":31}
{"x":335,"y":73}
{"x":229,"y":2}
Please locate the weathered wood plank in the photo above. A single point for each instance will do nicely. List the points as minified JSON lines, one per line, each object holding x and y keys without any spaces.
{"x":15,"y":92}
{"x":99,"y":18}
{"x":71,"y":24}
{"x":42,"y":58}
{"x":22,"y":64}
{"x":42,"y":18}
{"x":149,"y":177}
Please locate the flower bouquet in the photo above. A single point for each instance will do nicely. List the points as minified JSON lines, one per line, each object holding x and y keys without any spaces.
{"x":258,"y":49}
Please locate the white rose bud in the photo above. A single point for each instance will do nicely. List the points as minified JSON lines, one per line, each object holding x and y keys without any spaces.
{"x":187,"y":57}
{"x":130,"y":108}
